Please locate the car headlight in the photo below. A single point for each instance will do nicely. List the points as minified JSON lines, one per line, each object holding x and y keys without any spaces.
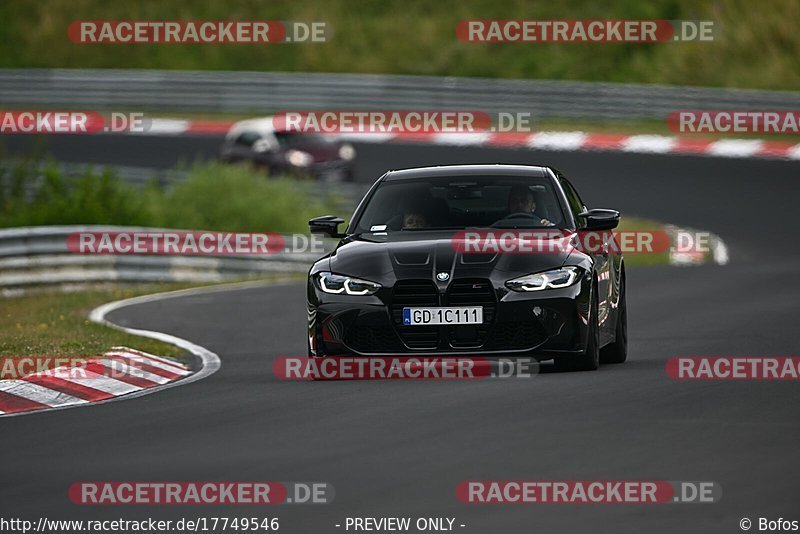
{"x":298,"y":158}
{"x":346,"y":151}
{"x":338,"y":284}
{"x":557,"y":278}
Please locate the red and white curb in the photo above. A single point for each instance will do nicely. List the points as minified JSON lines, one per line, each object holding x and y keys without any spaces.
{"x":546,"y":140}
{"x":49,"y":398}
{"x":118,"y":372}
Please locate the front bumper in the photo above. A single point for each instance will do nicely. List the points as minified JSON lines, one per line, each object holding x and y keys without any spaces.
{"x":542,"y":325}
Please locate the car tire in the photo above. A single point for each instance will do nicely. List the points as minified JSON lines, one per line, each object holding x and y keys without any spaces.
{"x":590,"y":359}
{"x":617,"y":352}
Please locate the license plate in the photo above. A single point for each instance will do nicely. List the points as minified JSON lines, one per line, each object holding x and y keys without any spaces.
{"x":449,"y":315}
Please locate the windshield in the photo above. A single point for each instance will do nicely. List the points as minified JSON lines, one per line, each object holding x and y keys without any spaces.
{"x":294,"y":139}
{"x":455,"y":203}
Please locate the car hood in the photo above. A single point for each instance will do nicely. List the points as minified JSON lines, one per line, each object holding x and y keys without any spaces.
{"x":402,"y":255}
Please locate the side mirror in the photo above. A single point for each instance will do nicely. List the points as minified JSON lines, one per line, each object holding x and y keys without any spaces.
{"x":327,"y":224}
{"x":600,"y":219}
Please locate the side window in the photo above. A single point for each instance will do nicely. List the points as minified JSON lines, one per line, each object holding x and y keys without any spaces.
{"x":575,"y":203}
{"x":247,"y":138}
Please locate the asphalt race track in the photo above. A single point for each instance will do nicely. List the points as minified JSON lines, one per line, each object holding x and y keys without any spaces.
{"x":400,"y":448}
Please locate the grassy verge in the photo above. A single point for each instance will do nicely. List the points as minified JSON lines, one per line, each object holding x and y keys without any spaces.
{"x":213,"y":197}
{"x":56,"y":324}
{"x":755,"y":47}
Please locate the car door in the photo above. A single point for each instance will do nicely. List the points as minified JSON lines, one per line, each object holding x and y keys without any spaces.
{"x":241,"y":149}
{"x":604,"y":265}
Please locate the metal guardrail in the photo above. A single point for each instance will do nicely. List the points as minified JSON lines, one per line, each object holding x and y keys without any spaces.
{"x":263,"y":92}
{"x":38,"y":255}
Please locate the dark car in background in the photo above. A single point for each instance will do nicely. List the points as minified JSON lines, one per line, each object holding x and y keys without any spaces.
{"x":281,"y":152}
{"x":397,"y":285}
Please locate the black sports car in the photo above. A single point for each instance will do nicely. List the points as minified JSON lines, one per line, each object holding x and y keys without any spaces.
{"x":398,"y":283}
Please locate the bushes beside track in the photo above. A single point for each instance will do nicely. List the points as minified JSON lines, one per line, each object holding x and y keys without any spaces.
{"x":213,"y":197}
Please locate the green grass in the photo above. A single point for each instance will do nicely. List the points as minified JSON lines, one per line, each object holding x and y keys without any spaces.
{"x":213,"y":197}
{"x":56,"y":324}
{"x":758,"y":43}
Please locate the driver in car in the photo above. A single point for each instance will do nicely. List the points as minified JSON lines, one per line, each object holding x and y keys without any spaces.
{"x":522,"y":201}
{"x":414,"y":220}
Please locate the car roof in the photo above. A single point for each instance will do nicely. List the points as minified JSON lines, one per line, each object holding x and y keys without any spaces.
{"x":498,"y":169}
{"x":261,"y":125}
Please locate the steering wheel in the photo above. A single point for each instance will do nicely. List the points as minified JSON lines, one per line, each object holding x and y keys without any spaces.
{"x":520,"y":216}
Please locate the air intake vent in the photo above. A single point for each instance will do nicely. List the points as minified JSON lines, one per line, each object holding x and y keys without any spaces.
{"x":411,"y":293}
{"x":471,"y":292}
